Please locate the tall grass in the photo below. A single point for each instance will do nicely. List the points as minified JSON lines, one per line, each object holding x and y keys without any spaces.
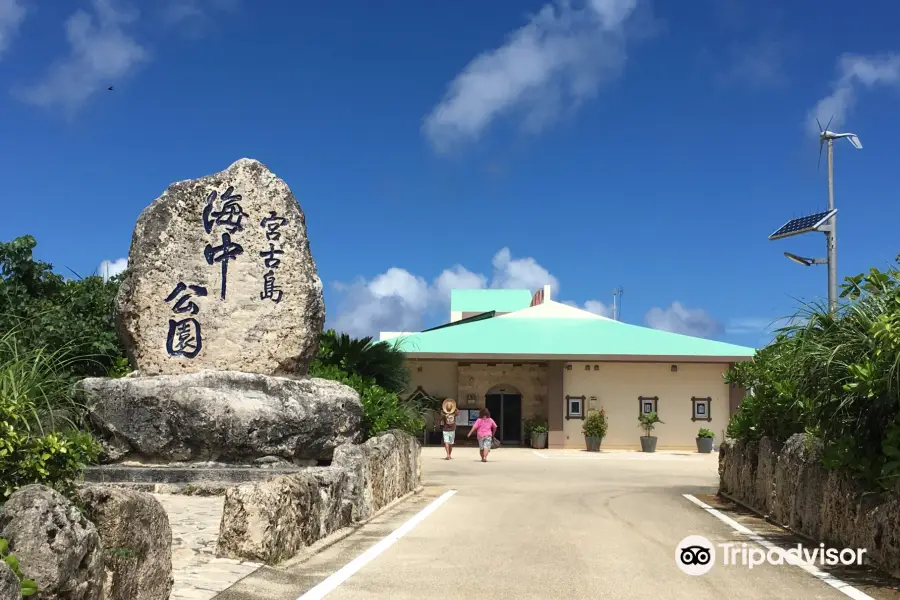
{"x":41,"y":419}
{"x":39,"y":383}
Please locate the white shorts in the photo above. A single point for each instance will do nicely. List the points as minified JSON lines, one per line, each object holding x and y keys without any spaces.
{"x":450,"y":437}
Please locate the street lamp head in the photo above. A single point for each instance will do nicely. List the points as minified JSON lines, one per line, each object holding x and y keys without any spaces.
{"x":798,"y":259}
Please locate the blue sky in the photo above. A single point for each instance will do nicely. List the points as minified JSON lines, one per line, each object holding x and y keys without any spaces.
{"x":589,"y":145}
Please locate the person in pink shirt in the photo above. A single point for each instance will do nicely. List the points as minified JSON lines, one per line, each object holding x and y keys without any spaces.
{"x":485,"y":427}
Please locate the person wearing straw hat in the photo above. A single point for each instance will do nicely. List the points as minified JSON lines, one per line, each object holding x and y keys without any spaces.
{"x":448,"y":422}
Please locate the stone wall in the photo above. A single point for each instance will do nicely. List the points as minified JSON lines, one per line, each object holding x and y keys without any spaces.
{"x":273,"y":520}
{"x":379,"y":471}
{"x":790,"y":485}
{"x":530,"y":379}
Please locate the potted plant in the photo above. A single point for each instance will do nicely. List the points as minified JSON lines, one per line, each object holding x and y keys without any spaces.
{"x":705,"y":440}
{"x":538,"y":436}
{"x":648,"y":424}
{"x":594,"y":430}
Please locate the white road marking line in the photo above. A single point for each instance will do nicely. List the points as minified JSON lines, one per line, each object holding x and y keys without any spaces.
{"x":840,"y":585}
{"x":347,"y":571}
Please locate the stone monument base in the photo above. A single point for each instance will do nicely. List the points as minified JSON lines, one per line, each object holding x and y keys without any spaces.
{"x":221,"y":416}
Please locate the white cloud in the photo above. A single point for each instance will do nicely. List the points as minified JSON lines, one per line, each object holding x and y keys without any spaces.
{"x":457,"y":278}
{"x":598,"y":308}
{"x":12,"y":14}
{"x":393,"y":301}
{"x":520,"y":273}
{"x":592,"y":306}
{"x":397,"y":300}
{"x":854,"y":72}
{"x":679,"y":319}
{"x":561,"y":56}
{"x":111,"y":268}
{"x":101,"y":53}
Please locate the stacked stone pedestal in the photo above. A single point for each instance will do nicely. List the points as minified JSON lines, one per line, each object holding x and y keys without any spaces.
{"x":223,"y":417}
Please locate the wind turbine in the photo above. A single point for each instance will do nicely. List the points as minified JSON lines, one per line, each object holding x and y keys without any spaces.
{"x":830,"y":136}
{"x":824,"y":222}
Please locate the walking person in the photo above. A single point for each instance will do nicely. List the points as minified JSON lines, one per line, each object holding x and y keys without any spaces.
{"x":485,"y":428}
{"x":448,"y":425}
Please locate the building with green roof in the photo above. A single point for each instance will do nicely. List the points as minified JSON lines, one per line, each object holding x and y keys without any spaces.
{"x":527,"y":357}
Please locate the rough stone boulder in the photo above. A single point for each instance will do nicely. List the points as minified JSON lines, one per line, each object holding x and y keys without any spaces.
{"x":380,"y":470}
{"x":56,"y":545}
{"x":137,"y":542}
{"x":10,"y":589}
{"x":221,"y":416}
{"x":220,"y":276}
{"x":273,"y":520}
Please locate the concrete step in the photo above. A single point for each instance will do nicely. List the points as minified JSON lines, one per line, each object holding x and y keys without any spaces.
{"x":205,"y":488}
{"x":152,"y":474}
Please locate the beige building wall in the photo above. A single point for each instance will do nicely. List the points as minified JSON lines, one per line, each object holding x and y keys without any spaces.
{"x":436,"y":378}
{"x":556,"y":437}
{"x":617,"y":387}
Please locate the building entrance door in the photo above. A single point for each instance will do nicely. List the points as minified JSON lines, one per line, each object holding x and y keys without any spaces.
{"x":506,"y":410}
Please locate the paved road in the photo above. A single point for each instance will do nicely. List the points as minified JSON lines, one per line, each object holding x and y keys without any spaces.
{"x":551,"y":525}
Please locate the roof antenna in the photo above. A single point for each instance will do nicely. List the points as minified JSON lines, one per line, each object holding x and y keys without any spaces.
{"x":617,"y":306}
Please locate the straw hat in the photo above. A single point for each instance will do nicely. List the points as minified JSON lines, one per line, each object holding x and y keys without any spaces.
{"x":449,"y":406}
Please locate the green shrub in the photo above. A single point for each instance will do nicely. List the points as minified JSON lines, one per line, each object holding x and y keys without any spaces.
{"x":536,"y":424}
{"x":595,"y":425}
{"x":384,"y":410}
{"x":56,"y":314}
{"x":705,"y":433}
{"x":382,"y":362}
{"x":835,"y":377}
{"x":648,"y":422}
{"x":40,"y":439}
{"x":28,"y":586}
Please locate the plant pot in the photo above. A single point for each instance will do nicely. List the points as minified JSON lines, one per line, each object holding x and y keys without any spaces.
{"x":648,"y":443}
{"x":593,"y":443}
{"x":705,"y":445}
{"x":538,"y":439}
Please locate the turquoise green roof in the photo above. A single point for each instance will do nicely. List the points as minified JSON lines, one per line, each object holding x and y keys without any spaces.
{"x":485,"y":300}
{"x":563,"y":338}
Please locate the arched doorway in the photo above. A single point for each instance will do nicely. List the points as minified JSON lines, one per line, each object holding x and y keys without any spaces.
{"x":505,"y":403}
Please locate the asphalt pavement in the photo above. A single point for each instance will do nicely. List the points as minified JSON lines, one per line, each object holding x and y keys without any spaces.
{"x":553,"y":524}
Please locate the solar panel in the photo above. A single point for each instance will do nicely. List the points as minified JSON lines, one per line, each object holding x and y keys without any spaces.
{"x":802,"y":225}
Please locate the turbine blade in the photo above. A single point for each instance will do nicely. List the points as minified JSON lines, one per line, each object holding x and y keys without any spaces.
{"x":829,"y":122}
{"x":819,"y":164}
{"x":819,"y":124}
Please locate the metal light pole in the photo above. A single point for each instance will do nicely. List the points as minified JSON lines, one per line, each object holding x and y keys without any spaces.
{"x":831,"y":234}
{"x":825,"y":222}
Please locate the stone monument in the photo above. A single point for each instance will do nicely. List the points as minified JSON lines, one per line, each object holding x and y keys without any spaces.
{"x":220,"y":312}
